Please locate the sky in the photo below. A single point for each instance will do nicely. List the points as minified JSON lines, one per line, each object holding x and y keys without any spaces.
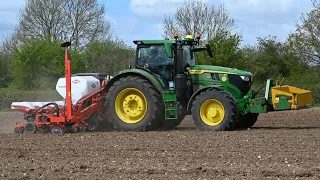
{"x":142,"y":19}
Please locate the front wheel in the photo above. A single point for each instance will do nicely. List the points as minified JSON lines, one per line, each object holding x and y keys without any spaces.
{"x":214,"y":110}
{"x":247,"y":121}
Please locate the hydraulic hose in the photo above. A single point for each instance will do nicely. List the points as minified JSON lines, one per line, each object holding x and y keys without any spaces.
{"x":52,"y":103}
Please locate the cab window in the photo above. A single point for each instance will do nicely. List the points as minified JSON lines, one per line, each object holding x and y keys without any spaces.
{"x":153,"y":55}
{"x":187,"y":56}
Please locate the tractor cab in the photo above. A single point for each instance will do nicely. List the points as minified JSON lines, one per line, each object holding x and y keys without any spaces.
{"x":161,"y":57}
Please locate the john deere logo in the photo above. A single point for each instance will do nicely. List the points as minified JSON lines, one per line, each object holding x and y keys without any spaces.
{"x":76,"y":81}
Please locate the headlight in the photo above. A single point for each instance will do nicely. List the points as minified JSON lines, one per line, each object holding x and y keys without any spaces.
{"x":246,"y":78}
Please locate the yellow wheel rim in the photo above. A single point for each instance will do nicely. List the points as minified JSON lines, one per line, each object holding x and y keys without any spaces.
{"x":212,"y":112}
{"x":131,"y":105}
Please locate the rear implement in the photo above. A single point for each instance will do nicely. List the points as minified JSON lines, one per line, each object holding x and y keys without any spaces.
{"x":281,"y":97}
{"x":82,"y":110}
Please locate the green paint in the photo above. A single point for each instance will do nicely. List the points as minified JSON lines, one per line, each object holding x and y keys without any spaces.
{"x":244,"y":103}
{"x":283,"y":103}
{"x":149,"y":76}
{"x":222,"y":69}
{"x":169,"y":97}
{"x":167,"y":46}
{"x":259,"y":105}
{"x":171,"y":41}
{"x":203,"y":76}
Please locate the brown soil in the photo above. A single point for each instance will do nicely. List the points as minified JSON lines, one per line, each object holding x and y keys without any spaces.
{"x":282,"y":145}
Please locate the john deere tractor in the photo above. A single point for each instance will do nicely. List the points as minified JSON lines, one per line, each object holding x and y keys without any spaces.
{"x":166,"y":84}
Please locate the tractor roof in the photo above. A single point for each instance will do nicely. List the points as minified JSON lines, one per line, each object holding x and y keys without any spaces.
{"x":154,"y":41}
{"x":166,"y":41}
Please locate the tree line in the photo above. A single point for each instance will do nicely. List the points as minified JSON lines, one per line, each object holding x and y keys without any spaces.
{"x":31,"y":57}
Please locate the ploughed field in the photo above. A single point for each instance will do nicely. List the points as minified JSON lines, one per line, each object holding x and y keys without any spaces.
{"x":283,"y":145}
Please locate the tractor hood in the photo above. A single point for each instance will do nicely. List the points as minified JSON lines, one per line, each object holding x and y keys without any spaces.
{"x":200,"y":69}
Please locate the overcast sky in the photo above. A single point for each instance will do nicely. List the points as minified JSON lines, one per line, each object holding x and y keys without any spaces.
{"x":142,"y":19}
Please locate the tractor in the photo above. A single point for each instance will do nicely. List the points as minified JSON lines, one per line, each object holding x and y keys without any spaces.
{"x":166,"y":84}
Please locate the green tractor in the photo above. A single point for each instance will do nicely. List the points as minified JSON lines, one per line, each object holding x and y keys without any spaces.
{"x":166,"y":85}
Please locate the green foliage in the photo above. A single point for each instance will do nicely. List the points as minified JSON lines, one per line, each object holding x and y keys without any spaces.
{"x":305,"y":41}
{"x":108,"y":57}
{"x":226,"y":51}
{"x":79,"y":21}
{"x":270,"y":59}
{"x":308,"y":80}
{"x":10,"y":95}
{"x":38,"y":63}
{"x":5,"y":73}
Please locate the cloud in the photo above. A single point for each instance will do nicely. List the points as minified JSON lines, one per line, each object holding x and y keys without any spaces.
{"x":124,"y":28}
{"x":123,"y":25}
{"x":260,"y":18}
{"x":154,"y":8}
{"x":266,"y":10}
{"x":255,"y":18}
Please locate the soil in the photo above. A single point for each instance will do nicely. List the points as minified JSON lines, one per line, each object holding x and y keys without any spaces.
{"x":281,"y":145}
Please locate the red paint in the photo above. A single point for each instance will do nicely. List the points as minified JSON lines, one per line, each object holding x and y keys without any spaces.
{"x":68,"y":85}
{"x":76,"y":81}
{"x":76,"y":114}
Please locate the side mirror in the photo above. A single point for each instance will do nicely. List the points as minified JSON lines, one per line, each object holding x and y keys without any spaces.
{"x":209,"y":50}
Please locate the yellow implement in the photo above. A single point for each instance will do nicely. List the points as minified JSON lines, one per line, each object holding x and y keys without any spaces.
{"x":289,"y":97}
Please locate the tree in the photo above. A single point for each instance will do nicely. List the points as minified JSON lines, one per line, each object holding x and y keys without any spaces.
{"x":306,"y":40}
{"x":270,"y":58}
{"x":79,"y":21}
{"x":108,"y":56}
{"x":38,"y":64}
{"x":195,"y":17}
{"x":226,"y":51}
{"x":5,"y":73}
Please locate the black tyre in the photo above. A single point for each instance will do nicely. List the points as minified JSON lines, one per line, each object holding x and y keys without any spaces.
{"x":56,"y":130}
{"x":30,"y":128}
{"x":18,"y":130}
{"x":93,"y":123}
{"x":133,"y":104}
{"x":247,"y":121}
{"x":214,"y":110}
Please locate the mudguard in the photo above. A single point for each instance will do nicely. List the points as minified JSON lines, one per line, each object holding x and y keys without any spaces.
{"x":136,"y":72}
{"x":198,"y":92}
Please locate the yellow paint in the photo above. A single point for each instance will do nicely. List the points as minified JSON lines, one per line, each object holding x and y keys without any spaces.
{"x":224,"y":78}
{"x":212,"y":112}
{"x":189,"y":37}
{"x":208,"y":71}
{"x":299,"y":97}
{"x":69,"y":93}
{"x":131,"y":105}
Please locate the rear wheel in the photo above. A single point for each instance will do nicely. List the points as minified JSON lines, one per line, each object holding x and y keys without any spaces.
{"x":214,"y":110}
{"x":247,"y":121}
{"x":133,"y":104}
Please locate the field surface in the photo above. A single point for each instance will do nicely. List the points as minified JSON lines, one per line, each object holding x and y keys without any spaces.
{"x":282,"y":145}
